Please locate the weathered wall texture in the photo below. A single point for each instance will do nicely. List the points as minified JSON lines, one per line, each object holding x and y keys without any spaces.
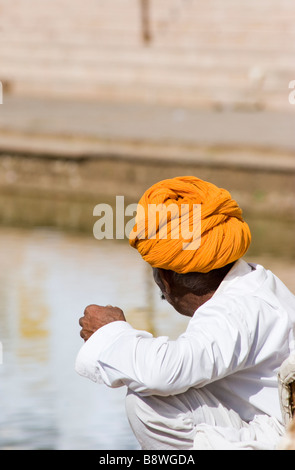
{"x":47,"y":190}
{"x":211,"y":53}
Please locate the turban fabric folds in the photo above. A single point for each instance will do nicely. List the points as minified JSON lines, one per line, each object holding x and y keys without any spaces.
{"x":215,"y":233}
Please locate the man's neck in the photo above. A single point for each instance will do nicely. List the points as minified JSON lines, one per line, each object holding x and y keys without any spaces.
{"x":190,"y":302}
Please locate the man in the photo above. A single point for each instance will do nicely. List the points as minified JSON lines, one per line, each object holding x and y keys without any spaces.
{"x":215,"y":387}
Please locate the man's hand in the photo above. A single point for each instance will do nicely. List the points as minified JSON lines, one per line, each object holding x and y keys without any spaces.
{"x":96,"y":316}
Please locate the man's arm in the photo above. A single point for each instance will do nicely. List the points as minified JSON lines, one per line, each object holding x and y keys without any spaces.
{"x":116,"y":354}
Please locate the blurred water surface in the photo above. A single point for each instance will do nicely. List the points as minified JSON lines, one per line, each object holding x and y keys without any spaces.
{"x":47,"y":278}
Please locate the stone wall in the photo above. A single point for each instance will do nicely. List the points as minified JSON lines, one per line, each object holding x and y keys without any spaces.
{"x":216,"y":53}
{"x":47,"y":190}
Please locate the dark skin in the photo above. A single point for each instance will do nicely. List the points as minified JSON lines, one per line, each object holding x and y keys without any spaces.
{"x":184,"y":301}
{"x":96,"y":316}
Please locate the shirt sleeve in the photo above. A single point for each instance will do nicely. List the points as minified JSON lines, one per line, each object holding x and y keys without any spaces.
{"x":213,"y":346}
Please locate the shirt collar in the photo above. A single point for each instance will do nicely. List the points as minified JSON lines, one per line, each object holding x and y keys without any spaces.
{"x":239,"y":269}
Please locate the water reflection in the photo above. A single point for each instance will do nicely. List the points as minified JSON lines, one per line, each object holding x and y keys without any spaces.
{"x":46,"y":280}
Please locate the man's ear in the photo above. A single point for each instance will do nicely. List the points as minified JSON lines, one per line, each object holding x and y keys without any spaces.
{"x":165,"y":280}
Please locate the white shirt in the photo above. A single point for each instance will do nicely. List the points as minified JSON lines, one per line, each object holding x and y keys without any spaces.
{"x":234,"y":345}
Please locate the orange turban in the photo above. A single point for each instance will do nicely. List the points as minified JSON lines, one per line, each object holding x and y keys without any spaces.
{"x":224,"y":237}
